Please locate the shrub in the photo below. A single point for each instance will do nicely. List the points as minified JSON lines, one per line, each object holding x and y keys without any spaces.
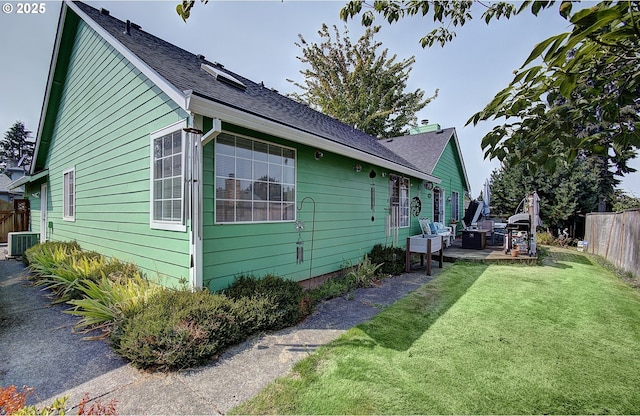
{"x":67,"y":276}
{"x":364,"y":273}
{"x":392,"y":259}
{"x":287,"y":296}
{"x":177,"y":329}
{"x":108,"y":301}
{"x":545,"y":238}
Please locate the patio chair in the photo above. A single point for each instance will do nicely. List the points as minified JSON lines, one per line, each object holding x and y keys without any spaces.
{"x":436,"y":228}
{"x":487,"y":225}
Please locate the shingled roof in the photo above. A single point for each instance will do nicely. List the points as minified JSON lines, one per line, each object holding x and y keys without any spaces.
{"x":423,"y":150}
{"x":183,"y":70}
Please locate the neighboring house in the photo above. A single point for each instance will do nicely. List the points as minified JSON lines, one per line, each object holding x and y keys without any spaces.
{"x":437,"y":151}
{"x":151,"y":154}
{"x":7,"y":195}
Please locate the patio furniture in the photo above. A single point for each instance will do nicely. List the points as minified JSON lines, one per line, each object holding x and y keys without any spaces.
{"x":424,"y":244}
{"x":436,"y":228}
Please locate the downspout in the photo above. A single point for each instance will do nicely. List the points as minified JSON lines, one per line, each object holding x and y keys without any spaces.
{"x":196,"y":141}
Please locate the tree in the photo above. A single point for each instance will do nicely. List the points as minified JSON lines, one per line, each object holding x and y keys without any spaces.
{"x":16,"y":144}
{"x":595,"y":69}
{"x":358,"y":86}
{"x":573,"y":190}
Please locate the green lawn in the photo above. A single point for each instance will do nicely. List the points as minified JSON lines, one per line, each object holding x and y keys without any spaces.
{"x":561,"y":338}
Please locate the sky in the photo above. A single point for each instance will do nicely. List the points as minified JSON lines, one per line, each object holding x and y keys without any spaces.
{"x":256,"y":39}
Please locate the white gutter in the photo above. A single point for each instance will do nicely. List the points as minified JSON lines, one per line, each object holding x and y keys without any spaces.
{"x":28,"y":178}
{"x":205,"y":107}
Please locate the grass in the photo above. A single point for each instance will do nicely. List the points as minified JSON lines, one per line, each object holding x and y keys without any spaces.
{"x":560,"y":338}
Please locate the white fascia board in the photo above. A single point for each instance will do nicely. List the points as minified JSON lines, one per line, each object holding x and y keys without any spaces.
{"x":464,"y":169}
{"x":174,"y":93}
{"x":27,"y":178}
{"x":47,"y":91}
{"x":200,"y":105}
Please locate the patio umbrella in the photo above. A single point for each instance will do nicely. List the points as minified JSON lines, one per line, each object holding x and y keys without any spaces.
{"x":486,"y":197}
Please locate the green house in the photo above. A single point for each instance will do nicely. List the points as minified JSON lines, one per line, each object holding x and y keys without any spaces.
{"x":155,"y":155}
{"x":436,"y":151}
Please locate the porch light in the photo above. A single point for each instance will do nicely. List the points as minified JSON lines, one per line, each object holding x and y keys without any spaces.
{"x":357,"y":167}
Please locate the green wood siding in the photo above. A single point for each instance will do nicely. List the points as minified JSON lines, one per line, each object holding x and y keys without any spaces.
{"x":449,"y":168}
{"x":343,"y":230}
{"x":103,"y":118}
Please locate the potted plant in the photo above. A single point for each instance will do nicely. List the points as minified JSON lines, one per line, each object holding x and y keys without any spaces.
{"x":515,"y":250}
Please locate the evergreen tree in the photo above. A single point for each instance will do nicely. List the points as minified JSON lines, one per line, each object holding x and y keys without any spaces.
{"x":16,"y":144}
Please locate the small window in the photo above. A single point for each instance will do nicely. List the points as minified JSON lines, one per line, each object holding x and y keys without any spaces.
{"x":69,"y":195}
{"x":399,"y":192}
{"x":455,"y":206}
{"x":167,"y":178}
{"x":255,"y":181}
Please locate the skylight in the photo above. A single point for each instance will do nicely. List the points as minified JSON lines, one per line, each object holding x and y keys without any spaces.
{"x":224,"y":77}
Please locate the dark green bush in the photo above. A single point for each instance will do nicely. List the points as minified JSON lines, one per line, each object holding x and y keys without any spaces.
{"x":287,"y":296}
{"x":392,"y":259}
{"x":177,"y":329}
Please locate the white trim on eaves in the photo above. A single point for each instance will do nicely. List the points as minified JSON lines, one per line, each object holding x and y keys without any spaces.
{"x":175,"y":94}
{"x":208,"y":108}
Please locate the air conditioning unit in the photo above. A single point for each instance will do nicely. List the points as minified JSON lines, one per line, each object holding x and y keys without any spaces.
{"x":19,"y":242}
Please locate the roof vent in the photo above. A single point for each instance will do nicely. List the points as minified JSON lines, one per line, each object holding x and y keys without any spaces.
{"x":201,"y":57}
{"x":224,"y":77}
{"x":127,"y":28}
{"x":104,"y":11}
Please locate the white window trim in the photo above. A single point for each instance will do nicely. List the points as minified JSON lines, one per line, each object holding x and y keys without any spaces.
{"x":295,"y":183}
{"x":167,"y":225}
{"x":65,"y":194}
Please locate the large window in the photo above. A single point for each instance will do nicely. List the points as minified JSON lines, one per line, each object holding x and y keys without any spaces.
{"x":69,"y":195}
{"x":255,"y":181}
{"x":167,"y":178}
{"x":399,"y":192}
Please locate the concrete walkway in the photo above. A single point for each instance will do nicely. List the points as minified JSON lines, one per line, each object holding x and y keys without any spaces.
{"x":39,"y":349}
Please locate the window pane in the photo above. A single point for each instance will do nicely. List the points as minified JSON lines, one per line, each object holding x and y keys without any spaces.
{"x":275,"y":211}
{"x":260,"y":191}
{"x":157,"y":189}
{"x":288,"y":193}
{"x":177,"y":188}
{"x":260,"y":171}
{"x":225,"y":166}
{"x":243,"y":169}
{"x":157,"y":148}
{"x":177,"y":143}
{"x":177,"y":165}
{"x":260,"y":151}
{"x":176,"y":207}
{"x":225,"y":188}
{"x":243,"y":211}
{"x":157,"y":169}
{"x":288,"y":212}
{"x":260,"y":211}
{"x":225,"y":145}
{"x":167,"y":168}
{"x":275,"y":154}
{"x":243,"y":148}
{"x":167,"y":146}
{"x":157,"y":210}
{"x":288,"y":175}
{"x":225,"y":211}
{"x":275,"y":192}
{"x":275,"y":173}
{"x":245,"y":190}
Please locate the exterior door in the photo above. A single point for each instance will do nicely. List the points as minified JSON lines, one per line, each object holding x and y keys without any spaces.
{"x":43,"y":212}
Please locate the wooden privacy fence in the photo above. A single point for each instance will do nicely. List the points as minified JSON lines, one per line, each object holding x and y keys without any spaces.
{"x":615,"y":237}
{"x":14,"y":220}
